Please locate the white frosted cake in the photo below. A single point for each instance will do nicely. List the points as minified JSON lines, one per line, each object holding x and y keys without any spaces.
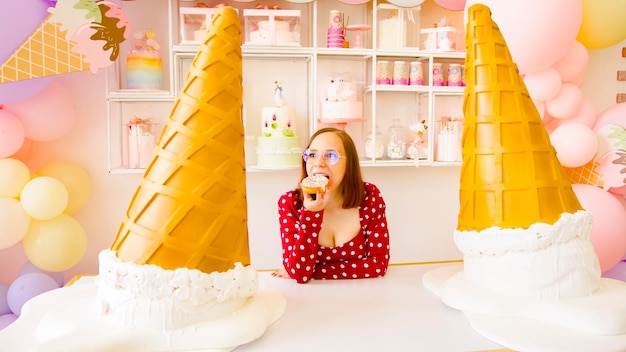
{"x":278,"y":146}
{"x":339,"y":100}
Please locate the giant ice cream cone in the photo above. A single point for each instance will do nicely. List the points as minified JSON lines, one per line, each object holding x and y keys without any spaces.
{"x":46,"y":52}
{"x":511,"y":177}
{"x":190,"y":209}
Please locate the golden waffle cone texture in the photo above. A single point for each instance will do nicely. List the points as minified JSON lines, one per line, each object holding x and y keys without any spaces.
{"x":190,"y":209}
{"x":44,"y":53}
{"x":510,"y":177}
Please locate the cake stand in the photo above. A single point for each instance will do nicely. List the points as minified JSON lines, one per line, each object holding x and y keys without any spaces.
{"x":358,"y":28}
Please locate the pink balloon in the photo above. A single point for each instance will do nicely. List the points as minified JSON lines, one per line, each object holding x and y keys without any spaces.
{"x":11,"y":134}
{"x":609,"y":224}
{"x":543,"y":85}
{"x":7,"y":319}
{"x":575,"y":144}
{"x":586,"y":115}
{"x":574,"y":63}
{"x":550,"y":123}
{"x":566,"y":103}
{"x":26,"y":287}
{"x":48,"y":115}
{"x":12,"y":92}
{"x":454,"y":5}
{"x":578,"y":81}
{"x":614,"y":115}
{"x":538,"y":32}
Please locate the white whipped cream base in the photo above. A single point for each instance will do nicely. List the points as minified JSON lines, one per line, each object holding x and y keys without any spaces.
{"x":150,"y":297}
{"x":544,"y":261}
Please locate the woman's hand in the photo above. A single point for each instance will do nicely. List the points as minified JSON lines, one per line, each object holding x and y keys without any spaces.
{"x":314,"y":203}
{"x":281,"y":273}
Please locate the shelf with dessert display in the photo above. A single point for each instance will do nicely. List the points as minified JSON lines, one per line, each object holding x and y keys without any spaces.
{"x":305,"y":67}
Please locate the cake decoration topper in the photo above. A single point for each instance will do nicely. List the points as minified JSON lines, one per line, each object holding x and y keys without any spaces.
{"x":84,"y":34}
{"x":144,"y":41}
{"x":279,"y":98}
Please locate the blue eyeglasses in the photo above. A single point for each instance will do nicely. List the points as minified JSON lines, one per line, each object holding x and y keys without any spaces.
{"x":331,"y":156}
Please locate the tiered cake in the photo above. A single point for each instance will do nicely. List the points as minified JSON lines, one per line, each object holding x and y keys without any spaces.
{"x":278,"y":146}
{"x":340,"y":100}
{"x":144,"y":66}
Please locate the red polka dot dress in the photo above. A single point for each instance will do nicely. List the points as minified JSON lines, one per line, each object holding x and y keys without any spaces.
{"x":365,"y":255}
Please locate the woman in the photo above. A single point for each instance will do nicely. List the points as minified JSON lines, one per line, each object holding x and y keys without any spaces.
{"x":341,"y":233}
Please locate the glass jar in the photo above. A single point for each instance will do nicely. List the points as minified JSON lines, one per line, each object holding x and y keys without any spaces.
{"x":396,"y":147}
{"x":448,"y":140}
{"x":375,"y":145}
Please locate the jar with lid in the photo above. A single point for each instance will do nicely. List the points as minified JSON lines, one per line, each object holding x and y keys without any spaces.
{"x":375,"y":145}
{"x":396,"y":147}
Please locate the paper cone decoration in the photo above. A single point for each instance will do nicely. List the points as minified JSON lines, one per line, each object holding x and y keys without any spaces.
{"x":510,"y":177}
{"x":585,"y":174}
{"x":78,"y":35}
{"x":46,"y":52}
{"x":190,"y":209}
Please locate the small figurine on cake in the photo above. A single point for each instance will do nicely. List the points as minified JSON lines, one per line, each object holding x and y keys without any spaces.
{"x":278,"y":146}
{"x":278,"y":94}
{"x":418,"y":148}
{"x":144,"y":63}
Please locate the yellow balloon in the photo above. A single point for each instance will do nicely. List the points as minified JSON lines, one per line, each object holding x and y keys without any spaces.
{"x":14,"y":222}
{"x":14,"y":174}
{"x":56,"y":244}
{"x":603,"y":23}
{"x":75,"y":179}
{"x":44,"y":197}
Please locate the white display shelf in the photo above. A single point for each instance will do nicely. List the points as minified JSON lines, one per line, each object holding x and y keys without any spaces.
{"x":302,"y":69}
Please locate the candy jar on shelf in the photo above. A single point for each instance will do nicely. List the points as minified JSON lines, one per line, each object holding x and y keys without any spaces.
{"x":375,"y":145}
{"x":396,"y":146}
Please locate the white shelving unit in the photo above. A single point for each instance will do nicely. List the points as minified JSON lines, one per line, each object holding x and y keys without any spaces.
{"x":300,"y":69}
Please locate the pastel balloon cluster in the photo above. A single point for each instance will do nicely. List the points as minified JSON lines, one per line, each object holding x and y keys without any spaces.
{"x":36,"y":210}
{"x":31,"y":282}
{"x":46,"y":116}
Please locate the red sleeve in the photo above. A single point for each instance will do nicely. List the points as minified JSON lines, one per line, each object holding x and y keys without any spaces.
{"x":299,"y":229}
{"x":374,"y":226}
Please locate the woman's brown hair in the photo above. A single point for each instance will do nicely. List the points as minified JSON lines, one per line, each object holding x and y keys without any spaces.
{"x":353,"y":188}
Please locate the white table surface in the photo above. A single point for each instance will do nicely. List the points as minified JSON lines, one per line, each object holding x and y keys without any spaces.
{"x":394,"y":313}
